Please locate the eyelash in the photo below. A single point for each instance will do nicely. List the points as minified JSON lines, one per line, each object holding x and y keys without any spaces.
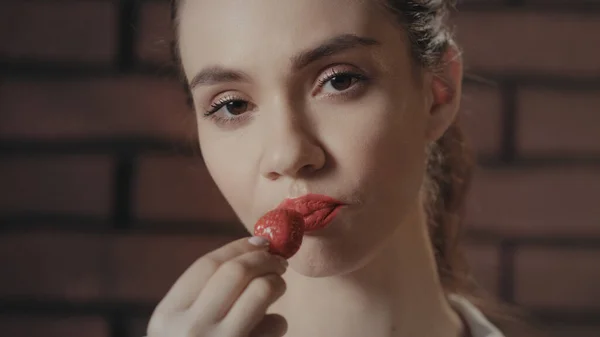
{"x":222,"y":102}
{"x":215,"y":106}
{"x":225,"y":121}
{"x":334,"y":73}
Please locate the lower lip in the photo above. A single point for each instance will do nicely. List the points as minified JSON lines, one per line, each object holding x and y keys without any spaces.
{"x":321,"y":218}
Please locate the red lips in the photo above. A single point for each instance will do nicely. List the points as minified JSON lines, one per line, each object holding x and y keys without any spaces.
{"x":317,"y":210}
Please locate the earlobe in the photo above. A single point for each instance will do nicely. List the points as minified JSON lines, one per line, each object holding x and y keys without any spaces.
{"x":446,"y":88}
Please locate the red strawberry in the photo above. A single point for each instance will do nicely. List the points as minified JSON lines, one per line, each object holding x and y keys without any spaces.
{"x":284,"y":228}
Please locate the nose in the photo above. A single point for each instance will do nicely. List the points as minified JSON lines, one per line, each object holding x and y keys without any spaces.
{"x":290,"y":149}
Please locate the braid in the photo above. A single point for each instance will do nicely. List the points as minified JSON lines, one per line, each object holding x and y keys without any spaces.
{"x":449,"y":173}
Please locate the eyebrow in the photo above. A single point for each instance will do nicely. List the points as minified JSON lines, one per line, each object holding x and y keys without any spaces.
{"x":332,"y":46}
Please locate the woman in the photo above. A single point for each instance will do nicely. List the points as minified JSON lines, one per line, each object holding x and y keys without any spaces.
{"x":347,"y":102}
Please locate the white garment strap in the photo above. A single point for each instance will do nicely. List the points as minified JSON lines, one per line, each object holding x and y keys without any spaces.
{"x":479,"y":325}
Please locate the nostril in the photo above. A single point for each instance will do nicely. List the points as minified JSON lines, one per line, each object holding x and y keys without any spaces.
{"x":308,"y":169}
{"x":273,"y":175}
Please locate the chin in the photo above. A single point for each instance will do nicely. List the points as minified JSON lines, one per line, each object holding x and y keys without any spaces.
{"x":324,"y":257}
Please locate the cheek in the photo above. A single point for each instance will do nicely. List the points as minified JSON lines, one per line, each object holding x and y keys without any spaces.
{"x":384,"y":144}
{"x":228,"y":162}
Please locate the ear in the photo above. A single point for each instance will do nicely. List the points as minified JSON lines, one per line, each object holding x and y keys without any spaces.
{"x":445,"y":87}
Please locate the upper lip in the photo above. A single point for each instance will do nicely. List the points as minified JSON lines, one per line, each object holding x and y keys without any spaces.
{"x":310,"y":203}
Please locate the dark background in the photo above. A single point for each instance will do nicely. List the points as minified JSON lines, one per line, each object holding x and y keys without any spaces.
{"x":103,"y":204}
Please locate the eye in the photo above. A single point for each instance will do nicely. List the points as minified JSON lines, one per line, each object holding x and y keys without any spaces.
{"x":229,"y":111}
{"x":236,"y":107}
{"x":230,"y":106}
{"x":340,"y":82}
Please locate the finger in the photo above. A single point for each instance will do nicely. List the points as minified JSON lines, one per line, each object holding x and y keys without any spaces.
{"x":230,"y":280}
{"x":187,"y":288}
{"x":252,"y":305}
{"x":272,"y":325}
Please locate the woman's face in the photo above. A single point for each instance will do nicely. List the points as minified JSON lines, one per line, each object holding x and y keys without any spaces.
{"x":312,"y":96}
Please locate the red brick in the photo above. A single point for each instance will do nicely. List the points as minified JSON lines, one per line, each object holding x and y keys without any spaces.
{"x":62,"y":184}
{"x":554,"y":121}
{"x":537,"y":202}
{"x":484,"y":261}
{"x":83,"y":31}
{"x":481,"y":113}
{"x":468,"y":2}
{"x":531,"y":41}
{"x":155,"y":33}
{"x":54,"y":266}
{"x":561,"y":2}
{"x":145,"y":267}
{"x":181,"y":189}
{"x":107,"y":107}
{"x":576,"y":331}
{"x":23,"y":326}
{"x":83,"y":268}
{"x":137,"y":327}
{"x":565,"y":279}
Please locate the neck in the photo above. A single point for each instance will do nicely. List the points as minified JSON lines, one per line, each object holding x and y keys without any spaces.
{"x":381,"y":299}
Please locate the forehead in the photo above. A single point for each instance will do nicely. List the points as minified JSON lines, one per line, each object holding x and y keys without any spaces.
{"x":242,"y":32}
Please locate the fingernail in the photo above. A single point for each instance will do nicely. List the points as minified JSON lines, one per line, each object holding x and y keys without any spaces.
{"x":283,"y":261}
{"x":258,"y":241}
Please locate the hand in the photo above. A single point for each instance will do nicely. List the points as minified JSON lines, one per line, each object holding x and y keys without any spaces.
{"x":225,"y":293}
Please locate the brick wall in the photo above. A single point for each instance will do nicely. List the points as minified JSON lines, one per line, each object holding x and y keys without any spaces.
{"x":101,"y":187}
